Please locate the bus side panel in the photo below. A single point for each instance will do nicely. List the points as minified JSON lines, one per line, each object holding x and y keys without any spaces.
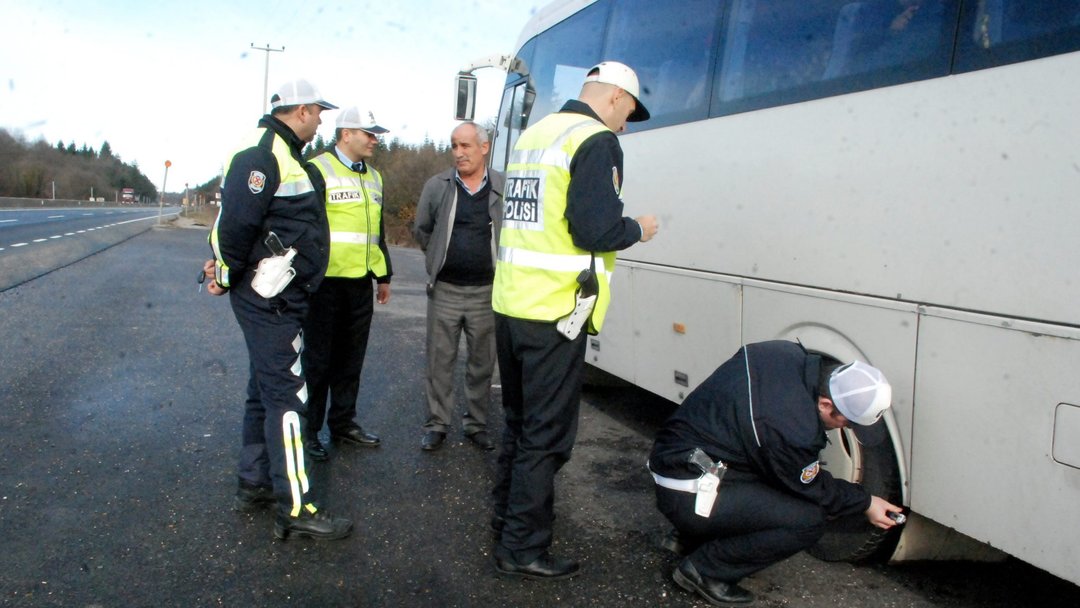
{"x":686,"y":323}
{"x":847,"y":328}
{"x":983,"y":436}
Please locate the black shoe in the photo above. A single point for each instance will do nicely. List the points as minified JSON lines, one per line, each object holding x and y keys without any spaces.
{"x":252,"y":498}
{"x":482,"y":440}
{"x":545,"y":568}
{"x":432,"y":440}
{"x":319,"y":526}
{"x":717,"y":593}
{"x":674,"y":543}
{"x":357,"y":436}
{"x":315,"y":449}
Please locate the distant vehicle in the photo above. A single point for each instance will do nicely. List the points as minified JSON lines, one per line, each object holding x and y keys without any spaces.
{"x":127,"y":196}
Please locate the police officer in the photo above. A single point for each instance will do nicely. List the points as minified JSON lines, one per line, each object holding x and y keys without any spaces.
{"x":270,"y":194}
{"x":764,"y":414}
{"x":563,"y":219}
{"x":336,"y":330}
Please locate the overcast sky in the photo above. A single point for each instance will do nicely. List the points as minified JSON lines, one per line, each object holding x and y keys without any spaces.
{"x":179,"y":81}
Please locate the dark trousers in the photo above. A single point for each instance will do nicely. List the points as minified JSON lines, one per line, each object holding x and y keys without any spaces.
{"x":271,"y":454}
{"x":752,"y":526}
{"x":336,"y":337}
{"x":541,"y":376}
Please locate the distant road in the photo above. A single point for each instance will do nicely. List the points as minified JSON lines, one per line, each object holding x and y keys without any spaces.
{"x":36,"y":241}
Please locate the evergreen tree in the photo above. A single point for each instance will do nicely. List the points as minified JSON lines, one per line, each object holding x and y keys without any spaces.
{"x":106,"y":151}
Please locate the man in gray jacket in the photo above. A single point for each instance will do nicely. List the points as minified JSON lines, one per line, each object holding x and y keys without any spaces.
{"x":457,"y":222}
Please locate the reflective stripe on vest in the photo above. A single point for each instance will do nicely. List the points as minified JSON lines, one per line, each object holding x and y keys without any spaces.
{"x":549,"y":261}
{"x":354,"y":211}
{"x":293,"y":182}
{"x":538,"y":264}
{"x":357,"y":238}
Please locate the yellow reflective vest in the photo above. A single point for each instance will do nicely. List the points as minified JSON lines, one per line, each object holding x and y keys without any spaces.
{"x":354,"y":211}
{"x":538,"y":266}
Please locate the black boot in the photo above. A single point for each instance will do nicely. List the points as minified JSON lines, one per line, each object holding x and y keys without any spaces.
{"x":252,"y":498}
{"x":318,"y":525}
{"x":717,"y":593}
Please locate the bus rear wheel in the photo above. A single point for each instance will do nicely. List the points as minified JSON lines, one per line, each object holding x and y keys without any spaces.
{"x":852,"y":538}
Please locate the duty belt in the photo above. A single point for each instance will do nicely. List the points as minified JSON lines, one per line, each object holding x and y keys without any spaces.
{"x":682,"y":485}
{"x":706,"y":486}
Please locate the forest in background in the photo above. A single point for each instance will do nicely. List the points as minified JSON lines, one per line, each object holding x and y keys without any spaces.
{"x":34,"y":169}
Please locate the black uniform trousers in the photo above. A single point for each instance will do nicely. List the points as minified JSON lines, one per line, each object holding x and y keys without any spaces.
{"x":752,"y":526}
{"x":336,"y":335}
{"x":541,"y":374}
{"x":272,"y":452}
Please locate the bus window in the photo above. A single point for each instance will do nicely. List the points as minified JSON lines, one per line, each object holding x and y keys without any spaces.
{"x":513,"y":118}
{"x":786,"y":51}
{"x":672,"y":53}
{"x":562,"y":57}
{"x":999,"y":32}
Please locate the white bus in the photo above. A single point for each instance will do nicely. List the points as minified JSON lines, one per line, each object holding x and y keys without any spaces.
{"x":896,"y":181}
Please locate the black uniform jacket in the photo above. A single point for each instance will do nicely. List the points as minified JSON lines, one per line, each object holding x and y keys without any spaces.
{"x":247,"y":217}
{"x":764,"y":422}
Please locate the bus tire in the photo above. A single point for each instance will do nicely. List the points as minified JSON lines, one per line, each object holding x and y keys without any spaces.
{"x":852,"y":538}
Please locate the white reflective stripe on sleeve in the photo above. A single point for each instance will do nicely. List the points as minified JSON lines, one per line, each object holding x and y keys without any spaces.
{"x":356,"y":238}
{"x":548,"y":261}
{"x":296,"y":188}
{"x":750,"y":396}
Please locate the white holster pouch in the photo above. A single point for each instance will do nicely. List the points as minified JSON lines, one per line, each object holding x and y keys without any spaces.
{"x":706,"y":487}
{"x":274,"y":274}
{"x":570,"y":325}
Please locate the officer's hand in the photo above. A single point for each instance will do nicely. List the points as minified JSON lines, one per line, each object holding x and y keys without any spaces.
{"x":213,"y":288}
{"x":878,"y":512}
{"x":649,"y":226}
{"x":383,"y":294}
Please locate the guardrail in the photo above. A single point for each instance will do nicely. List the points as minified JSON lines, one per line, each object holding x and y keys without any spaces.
{"x":42,"y":203}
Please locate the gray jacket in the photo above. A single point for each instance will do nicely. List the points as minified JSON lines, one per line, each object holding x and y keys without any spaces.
{"x":435,"y":218}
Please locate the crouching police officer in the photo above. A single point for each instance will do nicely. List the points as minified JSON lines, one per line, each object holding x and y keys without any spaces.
{"x":763,"y":414}
{"x":273,"y":223}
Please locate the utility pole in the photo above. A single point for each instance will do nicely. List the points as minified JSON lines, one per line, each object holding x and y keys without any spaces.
{"x":161,"y":201}
{"x":266,"y":71}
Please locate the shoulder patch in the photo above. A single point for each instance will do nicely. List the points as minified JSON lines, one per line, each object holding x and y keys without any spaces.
{"x":256,"y":182}
{"x":809,"y":472}
{"x":615,"y":181}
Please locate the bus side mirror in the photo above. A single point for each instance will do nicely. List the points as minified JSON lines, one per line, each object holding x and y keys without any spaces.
{"x":465,"y":97}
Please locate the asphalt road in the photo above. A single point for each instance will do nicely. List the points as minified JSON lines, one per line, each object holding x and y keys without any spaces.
{"x":36,"y":241}
{"x":121,"y":391}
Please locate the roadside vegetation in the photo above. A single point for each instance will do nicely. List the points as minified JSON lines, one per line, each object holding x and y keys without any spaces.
{"x":32,"y":170}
